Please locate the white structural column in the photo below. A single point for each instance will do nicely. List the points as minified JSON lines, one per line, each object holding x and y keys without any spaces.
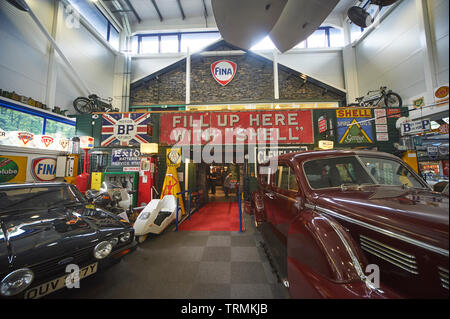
{"x":121,"y":84}
{"x":426,"y":43}
{"x":188,"y":77}
{"x":276,"y":90}
{"x":350,"y":69}
{"x":50,"y":92}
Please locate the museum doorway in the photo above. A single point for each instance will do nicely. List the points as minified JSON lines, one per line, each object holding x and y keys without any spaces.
{"x":219,"y":184}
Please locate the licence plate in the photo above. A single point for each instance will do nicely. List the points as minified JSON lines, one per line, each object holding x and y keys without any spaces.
{"x":58,"y":283}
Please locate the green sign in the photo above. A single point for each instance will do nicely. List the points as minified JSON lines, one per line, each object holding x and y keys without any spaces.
{"x":8,"y":169}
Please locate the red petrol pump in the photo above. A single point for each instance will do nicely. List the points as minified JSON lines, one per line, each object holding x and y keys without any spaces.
{"x":147,"y":173}
{"x":82,"y":180}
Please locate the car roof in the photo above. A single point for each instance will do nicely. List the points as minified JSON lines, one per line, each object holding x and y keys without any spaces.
{"x":305,"y":155}
{"x":23,"y":185}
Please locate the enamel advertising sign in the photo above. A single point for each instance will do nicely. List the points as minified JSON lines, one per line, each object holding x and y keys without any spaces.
{"x":47,"y":140}
{"x":13,"y":169}
{"x":229,"y":128}
{"x":125,"y":129}
{"x":223,"y":71}
{"x":353,"y":126}
{"x":43,"y":169}
{"x":25,"y":137}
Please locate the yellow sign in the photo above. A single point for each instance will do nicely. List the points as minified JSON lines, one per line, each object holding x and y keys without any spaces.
{"x":326,"y":145}
{"x":173,"y":157}
{"x":13,"y":169}
{"x":171,"y":186}
{"x":442,"y":92}
{"x":353,"y":113}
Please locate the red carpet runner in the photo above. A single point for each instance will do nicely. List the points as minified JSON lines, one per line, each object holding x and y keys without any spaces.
{"x":215,"y":216}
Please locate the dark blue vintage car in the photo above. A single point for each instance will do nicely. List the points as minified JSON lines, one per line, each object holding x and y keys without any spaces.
{"x":49,"y":233}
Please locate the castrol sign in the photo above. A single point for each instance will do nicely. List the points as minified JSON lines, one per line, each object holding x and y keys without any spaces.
{"x":44,"y":169}
{"x":223,"y":71}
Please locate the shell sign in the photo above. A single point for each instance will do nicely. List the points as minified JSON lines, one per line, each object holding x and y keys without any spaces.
{"x":43,"y":169}
{"x":223,"y":71}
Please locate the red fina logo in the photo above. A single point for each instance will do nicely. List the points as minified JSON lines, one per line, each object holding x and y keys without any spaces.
{"x":223,"y":71}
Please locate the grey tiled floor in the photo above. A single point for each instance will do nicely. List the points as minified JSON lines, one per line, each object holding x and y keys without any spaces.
{"x":188,"y":264}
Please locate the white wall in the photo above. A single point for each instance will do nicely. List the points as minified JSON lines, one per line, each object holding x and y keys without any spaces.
{"x":392,"y":55}
{"x":404,"y":56}
{"x":92,"y":60}
{"x":23,"y":51}
{"x":143,"y":66}
{"x":438,"y":12}
{"x":323,"y":65}
{"x":25,"y":56}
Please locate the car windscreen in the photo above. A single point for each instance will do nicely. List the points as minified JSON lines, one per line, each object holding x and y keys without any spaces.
{"x":37,"y":197}
{"x":336,"y":171}
{"x":390,"y":172}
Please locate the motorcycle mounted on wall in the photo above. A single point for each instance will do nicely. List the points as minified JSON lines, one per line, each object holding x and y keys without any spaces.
{"x":362,"y":18}
{"x":375,"y":97}
{"x":93,"y":103}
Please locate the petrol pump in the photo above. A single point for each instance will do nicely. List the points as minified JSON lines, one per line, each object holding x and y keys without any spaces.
{"x":147,"y":173}
{"x":82,"y":180}
{"x":72,"y":161}
{"x":99,"y":163}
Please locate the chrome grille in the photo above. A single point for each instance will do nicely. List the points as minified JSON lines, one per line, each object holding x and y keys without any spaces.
{"x":443,"y":274}
{"x":392,"y":255}
{"x":51,"y":267}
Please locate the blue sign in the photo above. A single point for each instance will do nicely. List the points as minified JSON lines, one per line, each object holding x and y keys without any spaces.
{"x":125,"y":129}
{"x":125,"y":157}
{"x":354,"y":131}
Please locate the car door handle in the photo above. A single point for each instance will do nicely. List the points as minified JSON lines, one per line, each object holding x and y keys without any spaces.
{"x":270,"y":195}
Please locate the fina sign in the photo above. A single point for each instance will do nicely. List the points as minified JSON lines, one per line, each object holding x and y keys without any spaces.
{"x":44,"y":169}
{"x":223,"y":71}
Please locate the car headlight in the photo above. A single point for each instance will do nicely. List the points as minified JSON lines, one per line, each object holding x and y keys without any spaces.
{"x":114,"y":241}
{"x":144,"y":216}
{"x":125,"y":237}
{"x":16,"y":282}
{"x":103,"y":249}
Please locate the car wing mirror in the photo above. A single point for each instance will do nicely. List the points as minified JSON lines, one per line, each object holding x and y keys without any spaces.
{"x":299,"y":202}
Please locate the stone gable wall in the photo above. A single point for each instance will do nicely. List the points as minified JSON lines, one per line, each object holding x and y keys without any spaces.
{"x":253,"y":82}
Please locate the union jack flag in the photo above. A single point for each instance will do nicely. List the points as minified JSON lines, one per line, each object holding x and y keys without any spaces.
{"x":125,"y":129}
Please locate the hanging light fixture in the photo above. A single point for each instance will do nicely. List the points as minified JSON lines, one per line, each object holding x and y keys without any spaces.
{"x":362,"y":18}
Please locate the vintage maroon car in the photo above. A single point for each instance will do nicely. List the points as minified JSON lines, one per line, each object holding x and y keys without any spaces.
{"x":335,"y":219}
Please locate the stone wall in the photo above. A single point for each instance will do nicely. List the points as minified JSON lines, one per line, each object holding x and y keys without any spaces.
{"x":168,"y":88}
{"x":253,"y":82}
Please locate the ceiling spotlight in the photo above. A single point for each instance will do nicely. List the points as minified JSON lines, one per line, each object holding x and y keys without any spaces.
{"x":362,"y":18}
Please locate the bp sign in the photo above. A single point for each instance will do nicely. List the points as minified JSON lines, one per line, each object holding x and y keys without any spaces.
{"x":223,"y":71}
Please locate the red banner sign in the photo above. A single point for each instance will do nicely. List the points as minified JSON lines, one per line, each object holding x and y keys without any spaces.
{"x":199,"y":128}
